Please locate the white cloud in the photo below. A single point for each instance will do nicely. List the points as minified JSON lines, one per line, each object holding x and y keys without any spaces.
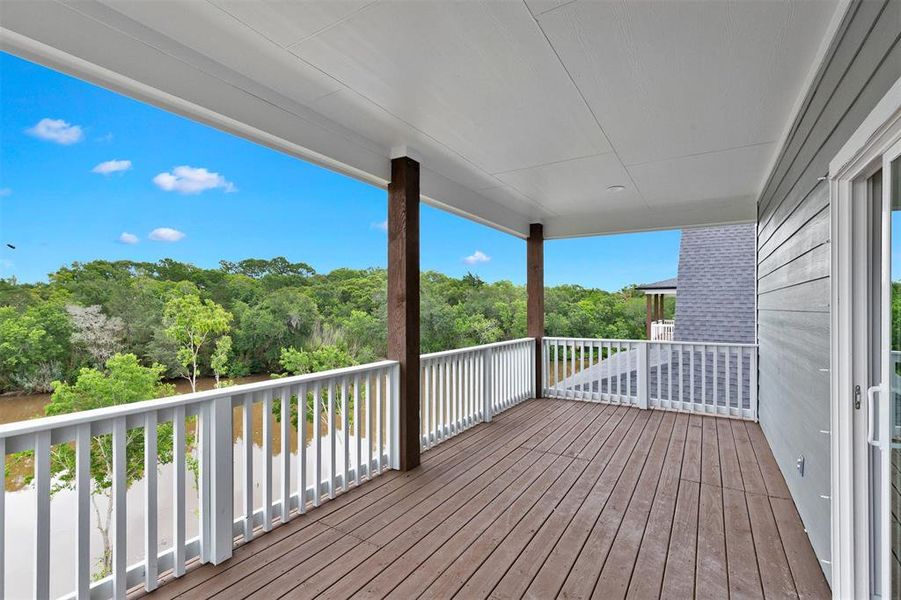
{"x":166,"y":234}
{"x":476,"y":257}
{"x":112,"y":166}
{"x":56,"y":130}
{"x":128,"y":238}
{"x":381,"y":225}
{"x":192,"y":180}
{"x":5,"y":192}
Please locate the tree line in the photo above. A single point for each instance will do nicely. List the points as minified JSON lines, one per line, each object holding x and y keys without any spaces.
{"x":105,"y":333}
{"x":263,"y":316}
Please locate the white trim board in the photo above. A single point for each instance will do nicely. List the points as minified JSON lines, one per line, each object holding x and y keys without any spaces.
{"x":858,"y":158}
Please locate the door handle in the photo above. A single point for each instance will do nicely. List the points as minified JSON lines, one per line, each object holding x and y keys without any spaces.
{"x":871,"y":414}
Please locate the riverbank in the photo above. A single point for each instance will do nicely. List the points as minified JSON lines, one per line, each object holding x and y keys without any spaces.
{"x":19,"y":406}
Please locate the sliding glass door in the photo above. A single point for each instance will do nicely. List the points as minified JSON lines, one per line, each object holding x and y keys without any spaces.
{"x":884,"y":403}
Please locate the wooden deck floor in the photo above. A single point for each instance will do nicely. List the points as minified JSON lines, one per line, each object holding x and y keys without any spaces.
{"x":553,"y":498}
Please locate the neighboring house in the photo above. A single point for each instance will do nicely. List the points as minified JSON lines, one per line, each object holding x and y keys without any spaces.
{"x":715,"y":292}
{"x":715,"y":288}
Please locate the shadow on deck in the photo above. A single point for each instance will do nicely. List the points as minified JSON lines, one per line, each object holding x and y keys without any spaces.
{"x":552,"y":498}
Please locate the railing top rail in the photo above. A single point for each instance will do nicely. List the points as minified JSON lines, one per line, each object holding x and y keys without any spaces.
{"x":468,"y":349}
{"x":679,"y":343}
{"x":123,"y":410}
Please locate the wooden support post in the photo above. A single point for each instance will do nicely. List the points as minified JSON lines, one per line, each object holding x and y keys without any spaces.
{"x":535,"y":296}
{"x":648,"y":316}
{"x":403,"y":301}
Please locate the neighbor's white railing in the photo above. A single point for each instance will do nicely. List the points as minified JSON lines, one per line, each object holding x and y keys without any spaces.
{"x":662,"y":330}
{"x":342,"y":394}
{"x":460,"y":388}
{"x":708,"y":378}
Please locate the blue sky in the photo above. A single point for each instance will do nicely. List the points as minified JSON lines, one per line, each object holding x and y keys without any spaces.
{"x":81,"y":166}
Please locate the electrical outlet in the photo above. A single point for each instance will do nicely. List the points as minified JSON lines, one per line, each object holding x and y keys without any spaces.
{"x":800,"y":464}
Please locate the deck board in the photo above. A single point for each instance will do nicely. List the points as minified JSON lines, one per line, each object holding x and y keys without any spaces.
{"x":647,"y":574}
{"x":553,"y":498}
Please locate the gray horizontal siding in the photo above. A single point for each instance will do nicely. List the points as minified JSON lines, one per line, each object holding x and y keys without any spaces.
{"x":793,"y":255}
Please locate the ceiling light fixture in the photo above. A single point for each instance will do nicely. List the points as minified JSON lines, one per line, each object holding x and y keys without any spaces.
{"x":616,"y":188}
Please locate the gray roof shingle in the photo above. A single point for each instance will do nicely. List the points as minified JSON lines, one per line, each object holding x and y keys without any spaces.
{"x":716,"y":285}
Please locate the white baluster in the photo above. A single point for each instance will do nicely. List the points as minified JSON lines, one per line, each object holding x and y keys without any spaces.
{"x":704,"y":376}
{"x":317,"y":442}
{"x":247,"y":430}
{"x":204,"y":491}
{"x":741,"y":378}
{"x":716,"y":376}
{"x":302,"y":448}
{"x":666,"y":399}
{"x":752,"y":385}
{"x":285,"y":398}
{"x":729,"y":381}
{"x":42,"y":514}
{"x":178,"y":491}
{"x":379,"y":420}
{"x":368,"y":426}
{"x":120,"y":521}
{"x":426,"y":405}
{"x":394,"y":419}
{"x":357,"y":429}
{"x":331,"y":438}
{"x":83,"y":515}
{"x":150,"y":502}
{"x":267,"y":460}
{"x":345,"y":431}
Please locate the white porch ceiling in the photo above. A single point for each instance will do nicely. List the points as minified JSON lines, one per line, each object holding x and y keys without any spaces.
{"x":518,"y":111}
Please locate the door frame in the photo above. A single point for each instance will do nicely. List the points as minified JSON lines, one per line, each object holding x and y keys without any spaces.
{"x":858,"y":158}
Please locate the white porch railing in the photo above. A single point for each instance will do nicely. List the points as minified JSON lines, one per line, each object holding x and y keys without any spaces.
{"x":707,"y":378}
{"x":662,"y":331}
{"x":320,"y":472}
{"x":460,"y":388}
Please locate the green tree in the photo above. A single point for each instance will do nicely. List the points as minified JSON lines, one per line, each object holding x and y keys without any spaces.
{"x":301,"y":362}
{"x":35,"y":346}
{"x":366,"y":335}
{"x":100,"y":336}
{"x":276,"y":304}
{"x":194,"y":324}
{"x":125,"y":381}
{"x":221,"y":356}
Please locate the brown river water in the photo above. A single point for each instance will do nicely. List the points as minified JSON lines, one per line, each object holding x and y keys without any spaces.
{"x":20,"y":498}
